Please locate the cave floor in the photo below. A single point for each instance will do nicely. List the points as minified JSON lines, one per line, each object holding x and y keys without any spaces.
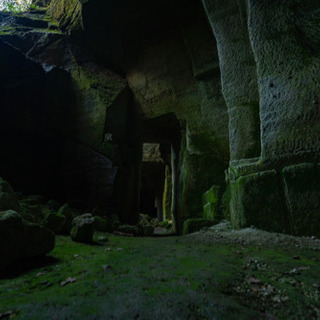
{"x":189,"y":277}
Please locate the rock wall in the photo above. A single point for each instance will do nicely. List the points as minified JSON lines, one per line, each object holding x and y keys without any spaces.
{"x":282,"y":38}
{"x":232,"y":86}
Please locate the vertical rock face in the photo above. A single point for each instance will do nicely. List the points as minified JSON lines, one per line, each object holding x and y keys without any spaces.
{"x":238,"y":75}
{"x":285,"y":41}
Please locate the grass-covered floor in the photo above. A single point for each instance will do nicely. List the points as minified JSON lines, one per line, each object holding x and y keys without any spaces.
{"x":164,"y":278}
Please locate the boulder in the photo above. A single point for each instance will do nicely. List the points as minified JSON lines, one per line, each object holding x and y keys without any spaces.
{"x":8,"y":198}
{"x":40,"y":240}
{"x":54,"y":221}
{"x":20,"y":239}
{"x":12,"y":238}
{"x":83,"y":228}
{"x":211,"y":203}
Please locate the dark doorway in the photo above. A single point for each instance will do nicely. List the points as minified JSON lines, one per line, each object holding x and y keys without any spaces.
{"x":158,"y":189}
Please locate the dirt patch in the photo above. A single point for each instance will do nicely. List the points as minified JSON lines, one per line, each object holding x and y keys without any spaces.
{"x":223,"y":233}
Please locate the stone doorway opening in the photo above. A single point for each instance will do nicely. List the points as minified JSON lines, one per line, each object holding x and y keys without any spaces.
{"x":159,"y":183}
{"x":156,"y":181}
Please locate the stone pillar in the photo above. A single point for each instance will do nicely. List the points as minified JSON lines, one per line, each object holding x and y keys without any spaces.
{"x":285,"y":37}
{"x":238,"y":74}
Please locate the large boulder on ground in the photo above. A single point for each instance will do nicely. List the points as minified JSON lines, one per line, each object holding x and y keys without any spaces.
{"x":83,"y":228}
{"x":34,"y":213}
{"x":12,"y":238}
{"x":40,"y":240}
{"x":8,"y":198}
{"x":19,"y":239}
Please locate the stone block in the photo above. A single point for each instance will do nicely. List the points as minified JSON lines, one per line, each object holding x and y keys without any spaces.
{"x":302,"y":192}
{"x":256,"y":201}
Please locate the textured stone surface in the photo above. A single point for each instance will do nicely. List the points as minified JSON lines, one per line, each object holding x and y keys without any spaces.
{"x":256,"y":201}
{"x":211,"y":201}
{"x":221,"y":82}
{"x":285,"y":41}
{"x":82,"y":228}
{"x":194,"y":225}
{"x":19,"y":239}
{"x":238,"y":74}
{"x":302,"y":191}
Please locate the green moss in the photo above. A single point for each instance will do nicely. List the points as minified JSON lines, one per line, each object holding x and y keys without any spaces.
{"x":194,"y":225}
{"x":256,"y":199}
{"x":211,"y":200}
{"x":160,"y":279}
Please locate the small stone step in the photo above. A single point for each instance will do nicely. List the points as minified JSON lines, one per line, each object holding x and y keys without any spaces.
{"x":33,"y":23}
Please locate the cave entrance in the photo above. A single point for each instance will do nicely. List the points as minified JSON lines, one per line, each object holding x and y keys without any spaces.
{"x":15,"y":5}
{"x":161,"y":138}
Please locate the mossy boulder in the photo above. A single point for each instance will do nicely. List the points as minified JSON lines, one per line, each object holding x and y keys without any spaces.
{"x":12,"y":237}
{"x":8,"y":198}
{"x":211,"y":203}
{"x":40,"y":240}
{"x":54,"y":221}
{"x":146,"y":225}
{"x":20,"y":239}
{"x":83,"y":228}
{"x":302,"y":191}
{"x":195,"y":224}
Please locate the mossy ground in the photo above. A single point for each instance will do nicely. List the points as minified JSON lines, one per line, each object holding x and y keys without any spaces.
{"x":165,"y":278}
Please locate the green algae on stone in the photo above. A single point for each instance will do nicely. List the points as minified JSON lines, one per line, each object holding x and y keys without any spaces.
{"x":82,"y":228}
{"x":196,"y":224}
{"x":211,"y":200}
{"x":256,"y":199}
